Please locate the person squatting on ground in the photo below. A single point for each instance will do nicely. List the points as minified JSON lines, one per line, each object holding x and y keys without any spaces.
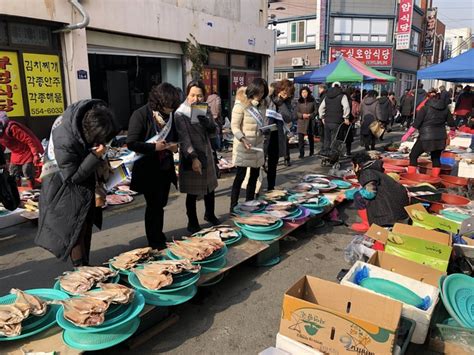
{"x":197,"y":174}
{"x":25,"y":148}
{"x":334,"y":110}
{"x":306,"y":111}
{"x":431,"y":123}
{"x":248,"y":117}
{"x":154,"y":172}
{"x":279,"y":113}
{"x":75,"y":152}
{"x":380,"y":199}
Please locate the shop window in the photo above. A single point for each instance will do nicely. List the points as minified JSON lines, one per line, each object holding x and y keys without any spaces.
{"x":277,"y":76}
{"x":297,"y":30}
{"x":311,"y":30}
{"x":361,"y":30}
{"x":238,"y":60}
{"x":282,"y":39}
{"x":217,"y":58}
{"x":253,"y":62}
{"x":290,"y":75}
{"x":415,"y":41}
{"x":26,"y":34}
{"x":3,"y":33}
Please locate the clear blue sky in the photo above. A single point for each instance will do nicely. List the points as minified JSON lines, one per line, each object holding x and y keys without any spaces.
{"x":456,"y":13}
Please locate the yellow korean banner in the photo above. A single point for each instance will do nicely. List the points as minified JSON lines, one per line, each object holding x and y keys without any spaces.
{"x":43,"y":84}
{"x":11,"y":98}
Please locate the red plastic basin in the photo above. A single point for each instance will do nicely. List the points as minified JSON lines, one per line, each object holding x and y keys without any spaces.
{"x":389,"y":168}
{"x":426,"y":167}
{"x":453,"y":181}
{"x":397,"y":162}
{"x":448,"y":200}
{"x":419,"y":178}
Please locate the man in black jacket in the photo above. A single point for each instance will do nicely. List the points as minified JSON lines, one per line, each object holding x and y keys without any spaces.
{"x":333,"y":111}
{"x":444,"y":95}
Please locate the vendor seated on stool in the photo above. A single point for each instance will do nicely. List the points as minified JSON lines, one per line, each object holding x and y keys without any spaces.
{"x":380,"y":200}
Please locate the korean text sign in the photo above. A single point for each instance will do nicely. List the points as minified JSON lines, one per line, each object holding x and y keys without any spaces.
{"x":405,"y":16}
{"x":43,"y":84}
{"x":11,"y":99}
{"x":372,"y":56}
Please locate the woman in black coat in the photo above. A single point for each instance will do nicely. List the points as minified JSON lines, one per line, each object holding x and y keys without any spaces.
{"x":75,"y":151}
{"x":154,"y":172}
{"x":431,"y":123}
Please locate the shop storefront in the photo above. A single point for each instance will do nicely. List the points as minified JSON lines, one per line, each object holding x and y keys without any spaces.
{"x":123,"y":70}
{"x":227,"y":71}
{"x":31,"y":75}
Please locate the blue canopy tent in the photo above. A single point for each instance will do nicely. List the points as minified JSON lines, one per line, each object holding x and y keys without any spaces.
{"x":459,"y":69}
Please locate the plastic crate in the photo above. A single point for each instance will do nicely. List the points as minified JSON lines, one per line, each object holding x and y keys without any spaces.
{"x":448,"y":333}
{"x":403,"y":340}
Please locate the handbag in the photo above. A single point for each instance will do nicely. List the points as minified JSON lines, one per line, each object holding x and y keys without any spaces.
{"x":9,"y":196}
{"x":377,"y":128}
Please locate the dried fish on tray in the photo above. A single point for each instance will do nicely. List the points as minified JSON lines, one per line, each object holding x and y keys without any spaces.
{"x":129,"y":259}
{"x":275,"y":195}
{"x":302,"y":187}
{"x":90,"y":309}
{"x":196,"y":248}
{"x":252,"y":206}
{"x":223,"y":231}
{"x":158,"y":274}
{"x":12,"y":315}
{"x":281,"y":206}
{"x":257,"y":220}
{"x":84,"y":278}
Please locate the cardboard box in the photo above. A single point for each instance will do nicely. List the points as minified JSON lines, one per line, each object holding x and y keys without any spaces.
{"x":406,"y":268}
{"x":421,"y":217}
{"x":336,"y":319}
{"x":294,"y":347}
{"x":466,"y":169}
{"x":421,"y":317}
{"x":418,"y":244}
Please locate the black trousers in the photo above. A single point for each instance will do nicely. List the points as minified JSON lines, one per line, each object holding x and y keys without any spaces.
{"x":417,"y":150}
{"x":156,"y":201}
{"x":239,"y":179}
{"x":301,"y":143}
{"x":330,"y":131}
{"x":273,"y":156}
{"x":81,"y":251}
{"x":209,"y":204}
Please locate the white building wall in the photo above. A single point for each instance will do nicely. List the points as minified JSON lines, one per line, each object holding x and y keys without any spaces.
{"x":228,"y":24}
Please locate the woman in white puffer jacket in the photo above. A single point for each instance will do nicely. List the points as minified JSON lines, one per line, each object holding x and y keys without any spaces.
{"x":248,"y":116}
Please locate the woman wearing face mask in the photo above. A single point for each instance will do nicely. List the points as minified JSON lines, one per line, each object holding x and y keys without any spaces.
{"x":197,"y":175}
{"x":279,"y":113}
{"x":247,"y":119}
{"x":75,"y":151}
{"x":380,"y":199}
{"x":306,"y":111}
{"x":154,"y":172}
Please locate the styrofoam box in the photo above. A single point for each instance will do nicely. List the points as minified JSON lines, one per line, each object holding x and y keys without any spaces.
{"x":294,"y":347}
{"x":422,"y":318}
{"x":466,"y":170}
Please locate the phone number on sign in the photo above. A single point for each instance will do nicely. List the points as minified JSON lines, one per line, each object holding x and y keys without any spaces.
{"x":47,"y":111}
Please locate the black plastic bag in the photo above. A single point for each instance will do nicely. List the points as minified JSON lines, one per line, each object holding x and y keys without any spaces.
{"x":9,"y":196}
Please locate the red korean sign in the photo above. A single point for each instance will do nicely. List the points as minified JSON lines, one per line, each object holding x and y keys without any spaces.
{"x":371,"y":56}
{"x":210,"y":80}
{"x":405,"y":17}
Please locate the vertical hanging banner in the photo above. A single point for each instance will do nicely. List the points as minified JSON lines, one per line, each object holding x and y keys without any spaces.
{"x":43,"y":84}
{"x":11,"y":99}
{"x":405,"y":17}
{"x":430,"y":34}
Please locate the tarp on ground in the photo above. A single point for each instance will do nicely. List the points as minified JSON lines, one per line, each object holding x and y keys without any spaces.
{"x":458,"y":69}
{"x":348,"y":70}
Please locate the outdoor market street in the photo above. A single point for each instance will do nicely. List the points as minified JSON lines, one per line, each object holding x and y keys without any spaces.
{"x":240,"y":315}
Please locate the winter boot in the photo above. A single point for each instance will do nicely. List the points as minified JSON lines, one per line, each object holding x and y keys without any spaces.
{"x":209,"y":203}
{"x":435,"y":172}
{"x":363,"y":226}
{"x":412,"y":169}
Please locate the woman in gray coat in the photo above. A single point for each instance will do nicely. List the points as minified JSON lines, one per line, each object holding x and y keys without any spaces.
{"x":197,"y":175}
{"x":306,"y":111}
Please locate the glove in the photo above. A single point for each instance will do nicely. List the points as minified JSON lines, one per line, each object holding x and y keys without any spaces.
{"x":408,"y":134}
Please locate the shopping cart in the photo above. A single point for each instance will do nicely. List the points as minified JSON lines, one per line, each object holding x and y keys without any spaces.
{"x":337,"y":148}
